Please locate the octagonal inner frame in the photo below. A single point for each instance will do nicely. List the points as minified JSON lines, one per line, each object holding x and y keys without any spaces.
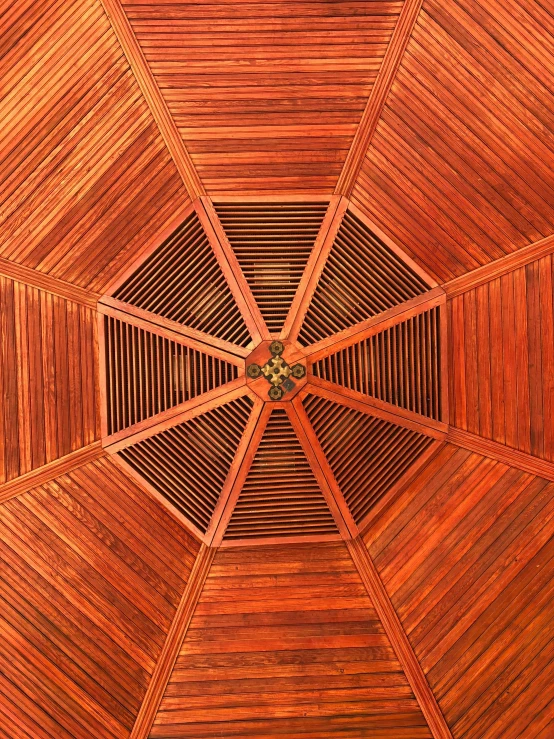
{"x":292,"y":354}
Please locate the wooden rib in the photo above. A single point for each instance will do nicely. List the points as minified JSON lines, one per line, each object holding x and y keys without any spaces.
{"x":314,"y":267}
{"x":256,"y":434}
{"x":153,"y":97}
{"x":501,"y":453}
{"x":172,"y":644}
{"x":102,"y":374}
{"x":379,"y":93}
{"x":375,"y":407}
{"x":182,"y":211}
{"x":49,"y":471}
{"x":236,"y":466}
{"x":499,"y":267}
{"x":33,"y":278}
{"x":375,"y":324}
{"x":230,"y":267}
{"x":174,"y":331}
{"x":320,"y":466}
{"x":176,"y":415}
{"x":400,"y":643}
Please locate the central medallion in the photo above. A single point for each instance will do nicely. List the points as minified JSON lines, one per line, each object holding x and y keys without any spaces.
{"x":282,"y":375}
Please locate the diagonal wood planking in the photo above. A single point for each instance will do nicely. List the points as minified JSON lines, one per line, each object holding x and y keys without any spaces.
{"x":86,"y":176}
{"x":93,"y":572}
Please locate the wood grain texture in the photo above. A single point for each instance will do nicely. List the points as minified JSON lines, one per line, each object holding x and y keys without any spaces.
{"x":466,"y":557}
{"x":285,"y":642}
{"x":92,"y":575}
{"x":86,"y":178}
{"x":267,"y":96}
{"x":502,"y":360}
{"x":458,"y":168}
{"x":48,"y":378}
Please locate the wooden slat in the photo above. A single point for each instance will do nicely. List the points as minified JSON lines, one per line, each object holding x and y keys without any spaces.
{"x":46,"y":282}
{"x":399,"y":640}
{"x":173,"y":644}
{"x":154,"y":98}
{"x":378,"y":97}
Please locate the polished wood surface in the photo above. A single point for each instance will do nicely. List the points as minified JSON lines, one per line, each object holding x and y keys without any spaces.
{"x":371,"y":556}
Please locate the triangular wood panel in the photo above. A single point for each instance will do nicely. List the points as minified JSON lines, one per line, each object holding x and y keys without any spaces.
{"x":294,"y":628}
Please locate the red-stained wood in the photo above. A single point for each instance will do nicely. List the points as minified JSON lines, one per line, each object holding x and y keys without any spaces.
{"x":374,"y":325}
{"x":314,"y":267}
{"x":377,"y":408}
{"x":172,"y":644}
{"x":285,"y":642}
{"x":231,"y":269}
{"x":329,"y":485}
{"x":153,"y":97}
{"x":41,"y":281}
{"x":400,"y":643}
{"x":465,"y":555}
{"x":172,"y":330}
{"x":92,"y":576}
{"x":173,"y":416}
{"x":377,"y":99}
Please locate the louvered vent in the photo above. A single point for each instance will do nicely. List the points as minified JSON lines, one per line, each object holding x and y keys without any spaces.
{"x":400,"y":365}
{"x":281,"y":496}
{"x":272,"y":242}
{"x":188,"y":464}
{"x":362,"y":277}
{"x":147,"y":373}
{"x":182,"y":281}
{"x":367,"y":455}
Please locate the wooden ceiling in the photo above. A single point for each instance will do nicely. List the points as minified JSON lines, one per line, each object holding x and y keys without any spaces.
{"x":183,"y":184}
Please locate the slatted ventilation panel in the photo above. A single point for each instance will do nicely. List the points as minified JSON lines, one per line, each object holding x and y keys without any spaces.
{"x":281,"y":496}
{"x":188,"y":464}
{"x":272,"y":242}
{"x":400,"y":365}
{"x":183,"y":281}
{"x":367,"y":455}
{"x":147,"y":374}
{"x":361,"y":278}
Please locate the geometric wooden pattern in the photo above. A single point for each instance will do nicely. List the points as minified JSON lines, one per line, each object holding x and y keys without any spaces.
{"x":466,"y":554}
{"x":287,"y":624}
{"x":272,"y":242}
{"x":458,"y":170}
{"x":92,"y":572}
{"x":367,"y":455}
{"x":273,"y":100}
{"x":400,"y":365}
{"x":502,"y":359}
{"x":47,"y":378}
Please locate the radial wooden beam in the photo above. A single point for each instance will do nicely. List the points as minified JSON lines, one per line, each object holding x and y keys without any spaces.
{"x":375,"y":324}
{"x":174,"y":640}
{"x":49,"y":471}
{"x":501,"y":453}
{"x":314,"y":267}
{"x":400,"y":643}
{"x":153,"y":97}
{"x":375,"y":407}
{"x":173,"y":331}
{"x":176,"y":415}
{"x":256,"y":431}
{"x":499,"y":267}
{"x":231,"y":269}
{"x":316,"y":456}
{"x":378,"y":96}
{"x":41,"y":281}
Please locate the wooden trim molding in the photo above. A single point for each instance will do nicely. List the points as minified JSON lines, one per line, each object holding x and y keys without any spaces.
{"x":499,"y":267}
{"x":378,"y":96}
{"x":153,"y":97}
{"x":397,"y":636}
{"x":501,"y":453}
{"x":50,"y":471}
{"x":174,"y":640}
{"x":42,"y":281}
